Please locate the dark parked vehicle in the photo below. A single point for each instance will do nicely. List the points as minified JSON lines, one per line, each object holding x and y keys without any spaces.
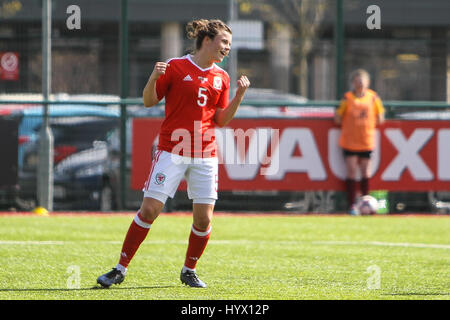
{"x":111,"y":186}
{"x":80,"y":154}
{"x":9,"y":128}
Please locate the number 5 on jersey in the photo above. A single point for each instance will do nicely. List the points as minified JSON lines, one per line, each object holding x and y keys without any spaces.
{"x":202,"y":97}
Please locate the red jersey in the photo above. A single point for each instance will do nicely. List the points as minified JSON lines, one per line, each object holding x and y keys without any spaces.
{"x":192,"y":96}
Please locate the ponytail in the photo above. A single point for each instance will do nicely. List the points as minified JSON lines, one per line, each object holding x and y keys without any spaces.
{"x":199,"y":29}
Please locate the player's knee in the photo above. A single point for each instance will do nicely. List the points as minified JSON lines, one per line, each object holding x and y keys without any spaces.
{"x":150,"y":210}
{"x":202,"y":223}
{"x":351,"y":176}
{"x":203,"y":213}
{"x":352,"y":173}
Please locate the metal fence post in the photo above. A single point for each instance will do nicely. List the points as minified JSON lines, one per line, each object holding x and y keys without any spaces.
{"x":339,"y":43}
{"x":45,"y":167}
{"x":123,"y":78}
{"x":233,"y":55}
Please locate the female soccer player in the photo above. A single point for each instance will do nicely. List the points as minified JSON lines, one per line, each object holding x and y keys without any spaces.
{"x":196,"y":95}
{"x":358,"y":114}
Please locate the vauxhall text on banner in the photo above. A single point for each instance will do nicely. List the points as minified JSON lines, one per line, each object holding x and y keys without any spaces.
{"x":294,"y":154}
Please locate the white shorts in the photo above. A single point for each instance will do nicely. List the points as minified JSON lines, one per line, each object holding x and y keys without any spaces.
{"x":168,"y":169}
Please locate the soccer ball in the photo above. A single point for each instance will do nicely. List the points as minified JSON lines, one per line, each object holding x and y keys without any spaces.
{"x":367,"y":205}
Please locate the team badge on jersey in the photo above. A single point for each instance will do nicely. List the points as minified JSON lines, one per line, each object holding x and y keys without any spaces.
{"x":160,"y":178}
{"x":217,"y":84}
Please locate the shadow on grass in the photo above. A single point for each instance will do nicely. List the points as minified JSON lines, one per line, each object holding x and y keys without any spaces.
{"x":86,"y":289}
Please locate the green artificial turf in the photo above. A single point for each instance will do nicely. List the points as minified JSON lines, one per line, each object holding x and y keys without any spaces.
{"x":247,"y":258}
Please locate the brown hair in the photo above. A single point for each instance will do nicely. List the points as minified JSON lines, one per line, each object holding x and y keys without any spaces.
{"x":199,"y":29}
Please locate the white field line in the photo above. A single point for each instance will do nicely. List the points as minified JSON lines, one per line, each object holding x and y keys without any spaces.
{"x":236,"y":242}
{"x":385,"y":244}
{"x":31,"y":242}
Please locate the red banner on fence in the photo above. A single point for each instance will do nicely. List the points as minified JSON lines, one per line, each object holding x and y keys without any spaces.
{"x":297,"y":155}
{"x":9,"y":66}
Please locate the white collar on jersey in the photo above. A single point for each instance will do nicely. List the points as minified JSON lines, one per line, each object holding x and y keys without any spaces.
{"x":189,"y":57}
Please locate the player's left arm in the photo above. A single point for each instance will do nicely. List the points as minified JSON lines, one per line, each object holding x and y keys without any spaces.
{"x":379,"y":110}
{"x":224,"y":116}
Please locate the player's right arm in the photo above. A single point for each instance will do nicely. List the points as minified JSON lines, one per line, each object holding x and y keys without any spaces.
{"x":340,"y":112}
{"x":149,"y":94}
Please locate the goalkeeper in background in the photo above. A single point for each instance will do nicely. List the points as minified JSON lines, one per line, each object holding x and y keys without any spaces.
{"x":358,"y":114}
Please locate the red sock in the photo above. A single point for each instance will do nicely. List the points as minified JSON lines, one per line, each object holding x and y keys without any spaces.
{"x":364,"y":186}
{"x":351,"y":191}
{"x":137,"y":233}
{"x":197,"y":244}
